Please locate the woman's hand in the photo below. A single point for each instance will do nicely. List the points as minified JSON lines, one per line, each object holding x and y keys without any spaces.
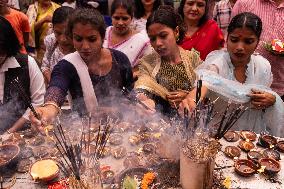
{"x":147,"y":102}
{"x":47,"y":115}
{"x":188,"y":103}
{"x":261,"y":100}
{"x":175,"y":98}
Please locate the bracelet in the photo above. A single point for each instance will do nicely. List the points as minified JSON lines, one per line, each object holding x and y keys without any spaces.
{"x":54,"y":105}
{"x":8,"y":132}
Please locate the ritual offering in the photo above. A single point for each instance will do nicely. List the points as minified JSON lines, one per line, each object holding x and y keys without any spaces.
{"x":135,"y":139}
{"x":270,"y":153}
{"x":246,"y":145}
{"x":40,"y":152}
{"x":137,"y":177}
{"x":149,"y":148}
{"x":245,"y":167}
{"x":26,"y":152}
{"x":8,"y":153}
{"x":271,"y":165}
{"x":131,"y":160}
{"x":248,"y":135}
{"x":232,"y":152}
{"x":116,"y":139}
{"x":267,"y":141}
{"x":280,"y":146}
{"x":27,"y":133}
{"x":37,"y":141}
{"x":44,"y":170}
{"x":106,"y":151}
{"x":119,"y":152}
{"x":107,"y":176}
{"x":276,"y":47}
{"x":24,"y":165}
{"x":254,"y":155}
{"x":16,"y":138}
{"x":122,"y":127}
{"x":231,"y":136}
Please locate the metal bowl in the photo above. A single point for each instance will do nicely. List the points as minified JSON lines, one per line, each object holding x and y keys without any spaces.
{"x":8,"y":152}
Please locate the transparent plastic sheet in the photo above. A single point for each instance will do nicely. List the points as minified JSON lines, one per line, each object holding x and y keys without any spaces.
{"x":273,"y":118}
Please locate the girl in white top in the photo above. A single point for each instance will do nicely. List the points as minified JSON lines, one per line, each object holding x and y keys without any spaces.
{"x":238,"y":75}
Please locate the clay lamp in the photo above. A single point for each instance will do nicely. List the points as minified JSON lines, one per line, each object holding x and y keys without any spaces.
{"x":149,"y":148}
{"x":248,"y":135}
{"x":107,"y":176}
{"x":254,"y":155}
{"x":270,"y":153}
{"x":271,"y":165}
{"x":232,"y":152}
{"x":245,"y":167}
{"x":246,"y":145}
{"x":267,"y":141}
{"x":231,"y":136}
{"x":280,"y":146}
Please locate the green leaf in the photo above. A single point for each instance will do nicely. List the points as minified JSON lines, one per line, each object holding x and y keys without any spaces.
{"x":129,"y":183}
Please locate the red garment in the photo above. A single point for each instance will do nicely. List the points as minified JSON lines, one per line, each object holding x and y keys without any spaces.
{"x":20,"y":24}
{"x":207,"y":38}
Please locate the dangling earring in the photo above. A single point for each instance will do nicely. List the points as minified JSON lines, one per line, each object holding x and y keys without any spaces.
{"x":177,"y":38}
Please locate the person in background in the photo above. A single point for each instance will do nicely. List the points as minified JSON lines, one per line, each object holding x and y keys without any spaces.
{"x":239,"y":76}
{"x":19,"y":22}
{"x":57,"y":44}
{"x":40,"y":16}
{"x":70,"y":3}
{"x":122,"y":37}
{"x":222,"y":14}
{"x":202,"y":34}
{"x":166,"y":76}
{"x":14,"y":110}
{"x":93,"y":75}
{"x":24,"y":5}
{"x":272,"y":15}
{"x":143,"y":9}
{"x":14,"y":4}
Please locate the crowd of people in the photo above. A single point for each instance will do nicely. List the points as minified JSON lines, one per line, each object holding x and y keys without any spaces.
{"x":61,"y":50}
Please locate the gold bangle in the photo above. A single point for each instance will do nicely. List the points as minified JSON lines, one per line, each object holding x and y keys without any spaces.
{"x":54,"y":105}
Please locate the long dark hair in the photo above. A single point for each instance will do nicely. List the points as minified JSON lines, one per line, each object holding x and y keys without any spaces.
{"x":167,"y":16}
{"x":247,"y":20}
{"x":140,"y":10}
{"x":203,"y":19}
{"x":9,"y":42}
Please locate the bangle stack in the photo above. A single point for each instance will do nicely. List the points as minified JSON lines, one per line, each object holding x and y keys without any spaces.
{"x":54,"y":105}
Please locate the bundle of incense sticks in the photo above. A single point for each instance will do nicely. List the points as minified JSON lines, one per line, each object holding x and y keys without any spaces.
{"x":73,"y":163}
